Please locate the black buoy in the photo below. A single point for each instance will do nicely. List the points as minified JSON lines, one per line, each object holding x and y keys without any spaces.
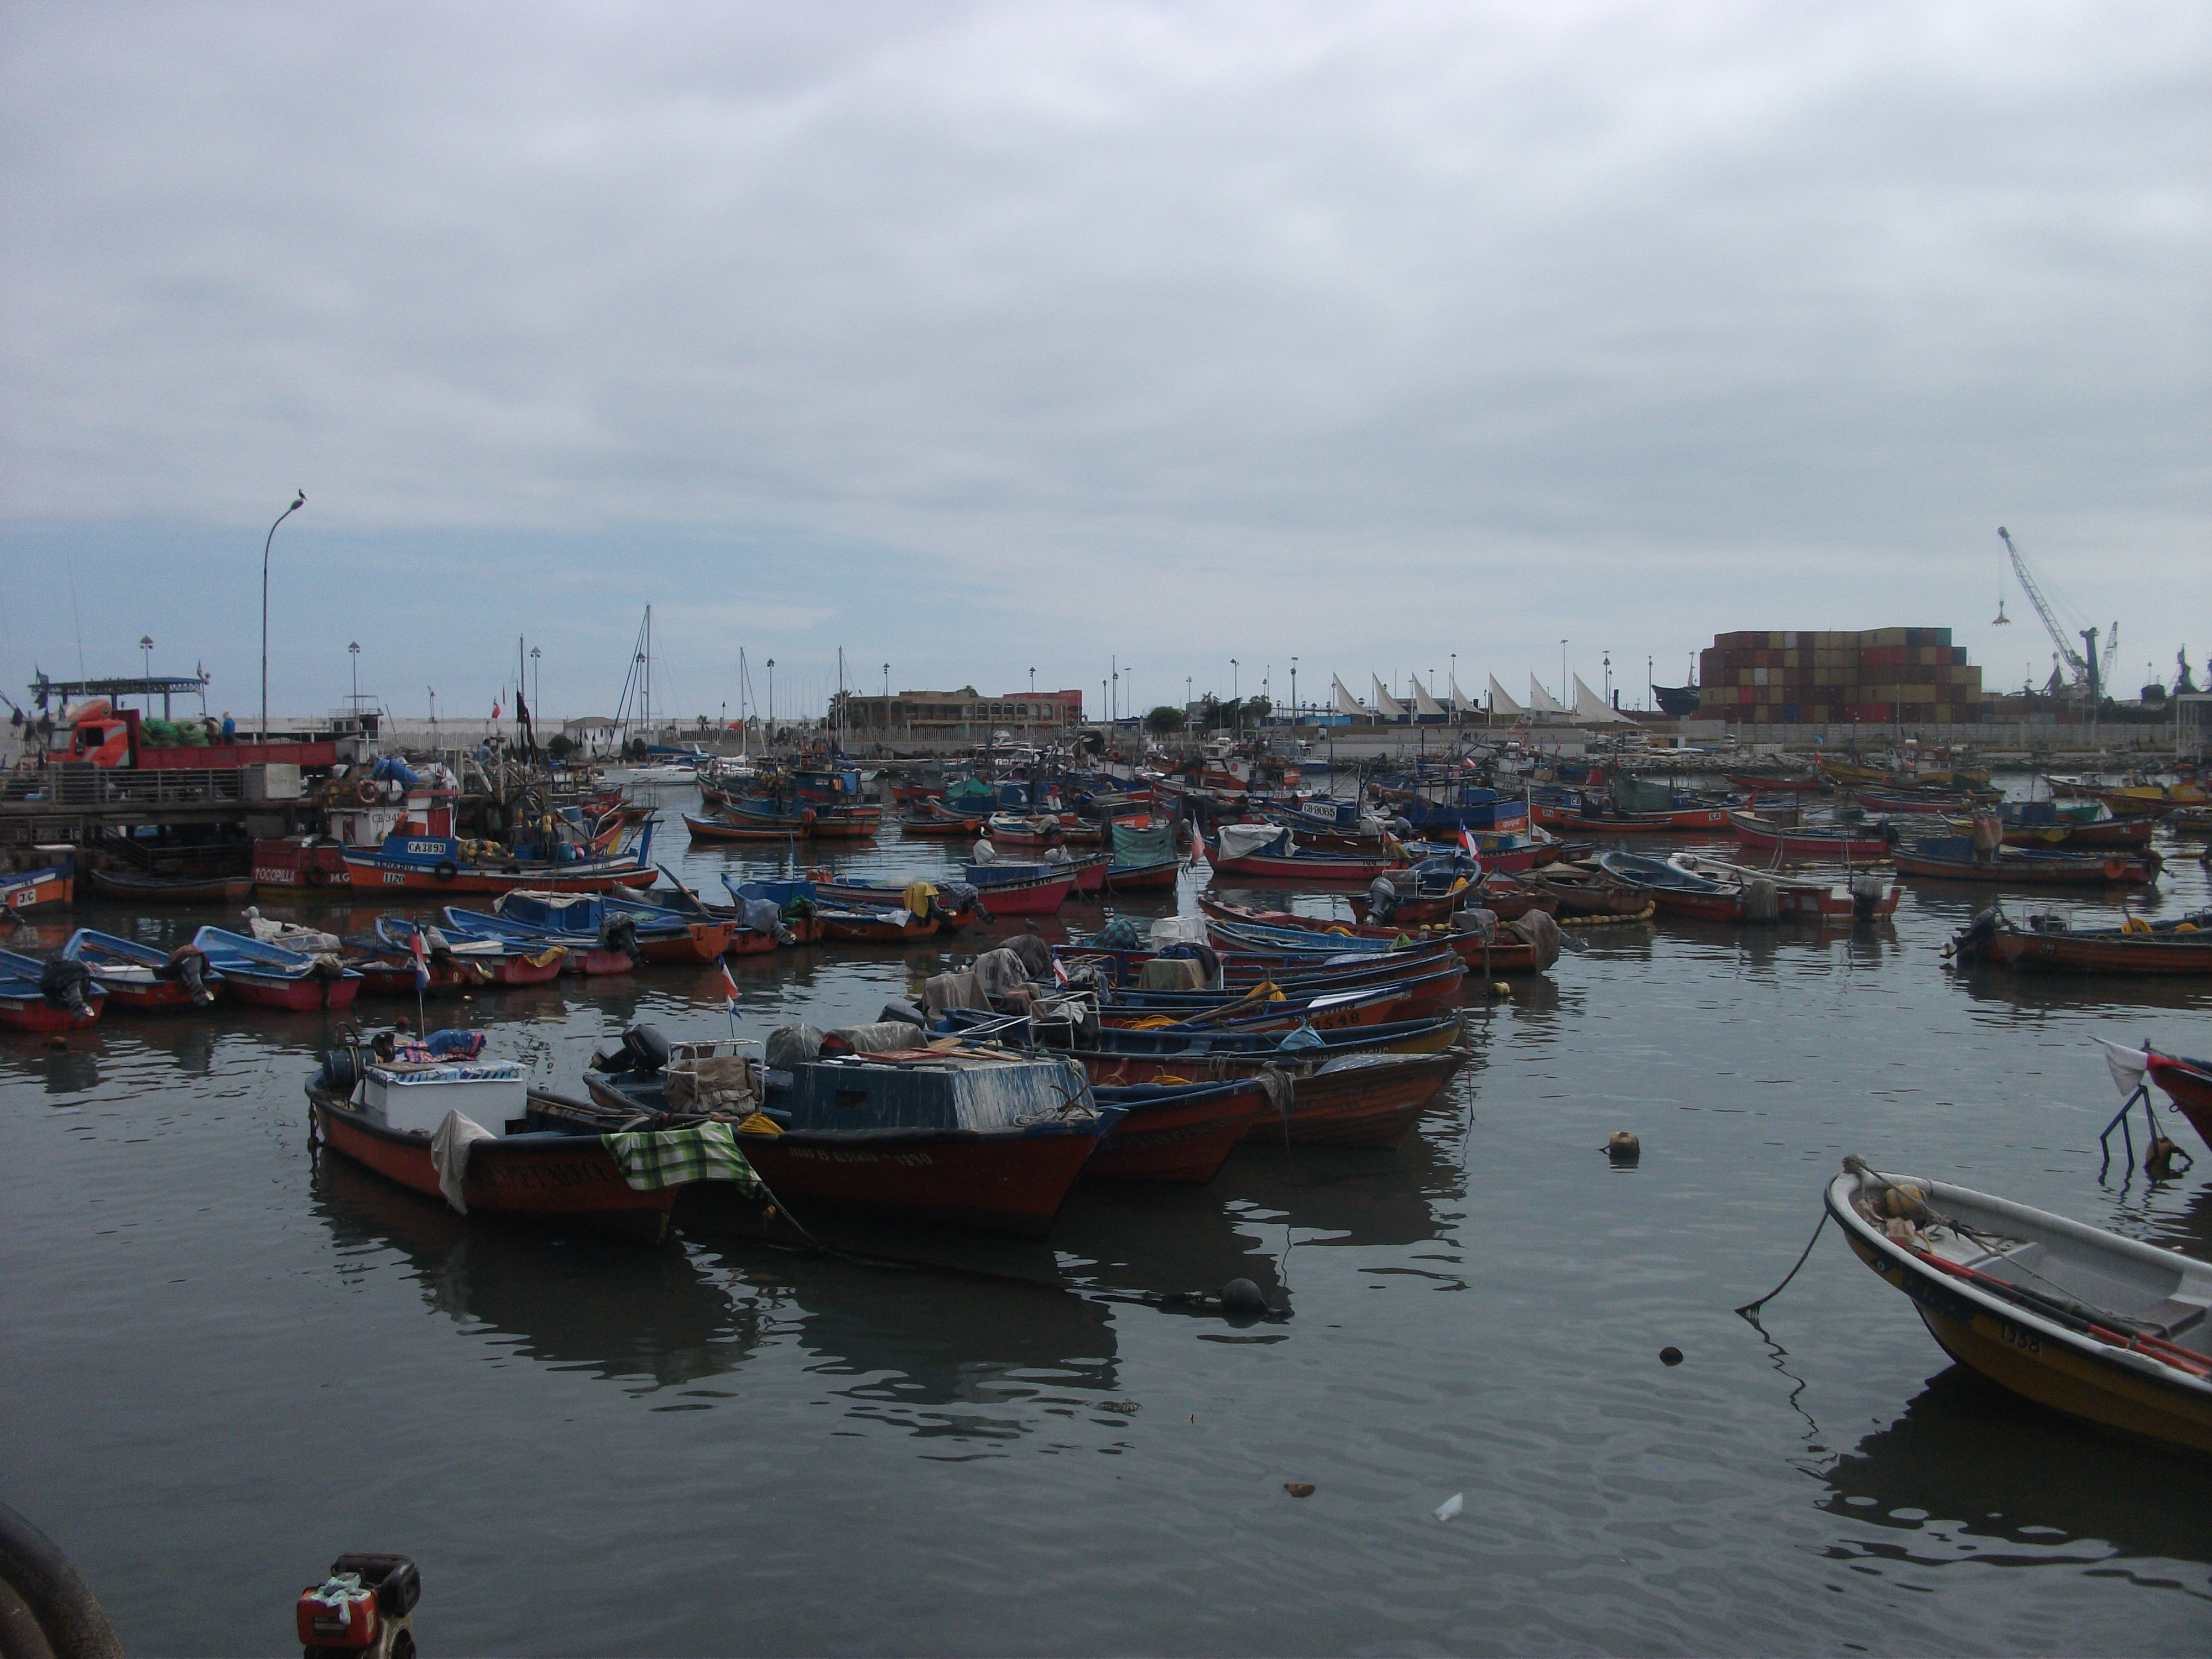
{"x":1670,"y":1356}
{"x":1242,"y":1296}
{"x":1623,"y":1149}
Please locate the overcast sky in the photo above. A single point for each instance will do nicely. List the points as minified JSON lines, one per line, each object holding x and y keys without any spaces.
{"x":979,"y":338}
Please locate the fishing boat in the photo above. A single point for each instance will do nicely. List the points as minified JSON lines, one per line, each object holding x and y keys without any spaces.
{"x":925,"y":817}
{"x":1955,"y":858}
{"x":1021,"y":890}
{"x":2102,"y":1327}
{"x":143,"y":979}
{"x":488,"y":961}
{"x":1582,"y":893}
{"x":270,"y":976}
{"x":1680,"y":820}
{"x":47,"y":996}
{"x":2188,"y":1084}
{"x":608,"y":921}
{"x":1428,"y":891}
{"x":1787,"y":783}
{"x":1142,"y":856}
{"x":1674,"y":891}
{"x":1239,"y":925}
{"x":951,"y":905}
{"x":1015,"y":830}
{"x":1839,"y":846}
{"x":963,"y":1138}
{"x":405,"y":1118}
{"x":170,"y":889}
{"x":53,"y":882}
{"x":1180,"y":1132}
{"x":2050,"y":823}
{"x":446,"y":865}
{"x":1268,"y":852}
{"x":724,"y":828}
{"x":1795,"y":897}
{"x":1919,"y":806}
{"x":2051,"y":944}
{"x":895,"y":926}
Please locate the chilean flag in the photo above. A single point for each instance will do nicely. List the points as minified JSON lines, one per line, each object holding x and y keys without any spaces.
{"x":1474,"y":847}
{"x":421,"y":952}
{"x":729,"y":985}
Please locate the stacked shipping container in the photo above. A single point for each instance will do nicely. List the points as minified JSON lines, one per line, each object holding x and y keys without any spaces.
{"x":1910,"y":674}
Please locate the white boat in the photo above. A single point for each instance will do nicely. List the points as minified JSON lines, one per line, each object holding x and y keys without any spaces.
{"x":2099,"y":1326}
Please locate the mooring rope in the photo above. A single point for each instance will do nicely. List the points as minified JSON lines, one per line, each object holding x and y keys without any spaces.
{"x":1751,"y":1308}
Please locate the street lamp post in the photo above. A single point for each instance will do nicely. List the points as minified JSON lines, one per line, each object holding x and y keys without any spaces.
{"x":1454,"y":687}
{"x":299,"y":500}
{"x":1294,"y":694}
{"x":1235,"y":697}
{"x":353,"y":650}
{"x":146,"y":655}
{"x":771,"y":699}
{"x":537,"y":688}
{"x":1562,"y":671}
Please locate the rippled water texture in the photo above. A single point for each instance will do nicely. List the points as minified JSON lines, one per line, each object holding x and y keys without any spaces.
{"x":225,"y":1365}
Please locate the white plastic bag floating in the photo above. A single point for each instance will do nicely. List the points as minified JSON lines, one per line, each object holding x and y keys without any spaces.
{"x":1451,"y":1506}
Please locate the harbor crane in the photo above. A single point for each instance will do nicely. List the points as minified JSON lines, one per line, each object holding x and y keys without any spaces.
{"x":2089,"y":674}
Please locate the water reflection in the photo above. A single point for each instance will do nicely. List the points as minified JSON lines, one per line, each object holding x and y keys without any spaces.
{"x":1969,"y":1465}
{"x":601,"y":1305}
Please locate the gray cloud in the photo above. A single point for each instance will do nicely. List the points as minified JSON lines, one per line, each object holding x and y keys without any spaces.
{"x":1394,"y":329}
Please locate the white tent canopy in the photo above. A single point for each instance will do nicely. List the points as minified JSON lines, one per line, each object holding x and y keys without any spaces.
{"x":1460,"y":705}
{"x":1589,"y":706}
{"x":1346,"y":702}
{"x":1386,"y":705}
{"x":1499,"y":703}
{"x":1542,"y":700}
{"x":1423,"y":703}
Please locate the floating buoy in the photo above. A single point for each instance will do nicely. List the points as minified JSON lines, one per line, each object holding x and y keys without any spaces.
{"x":1451,"y":1506}
{"x":1624,"y":1148}
{"x":1670,"y":1356}
{"x":1242,"y":1296}
{"x":1299,"y":1488}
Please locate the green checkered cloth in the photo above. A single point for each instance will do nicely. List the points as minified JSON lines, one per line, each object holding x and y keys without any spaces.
{"x":651,"y":1160}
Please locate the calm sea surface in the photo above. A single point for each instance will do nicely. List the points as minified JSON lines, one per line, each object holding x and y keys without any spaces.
{"x":226,"y":1364}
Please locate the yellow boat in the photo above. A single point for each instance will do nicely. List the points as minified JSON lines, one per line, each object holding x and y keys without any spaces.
{"x":2102,"y":1327}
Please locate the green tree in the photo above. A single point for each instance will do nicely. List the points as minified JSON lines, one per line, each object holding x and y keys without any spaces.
{"x":1163,"y":719}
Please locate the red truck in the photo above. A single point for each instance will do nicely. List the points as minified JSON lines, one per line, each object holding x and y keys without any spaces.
{"x":100,"y":734}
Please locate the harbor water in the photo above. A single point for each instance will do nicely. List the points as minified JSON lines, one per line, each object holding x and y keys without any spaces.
{"x":229,"y":1360}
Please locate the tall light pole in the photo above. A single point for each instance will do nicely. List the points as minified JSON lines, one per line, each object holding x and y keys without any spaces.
{"x":1294,"y":693}
{"x":537,"y":687}
{"x":1235,"y":698}
{"x":299,"y":500}
{"x":1562,"y":671}
{"x":1033,"y":682}
{"x":146,"y":655}
{"x":771,"y":699}
{"x":353,"y":650}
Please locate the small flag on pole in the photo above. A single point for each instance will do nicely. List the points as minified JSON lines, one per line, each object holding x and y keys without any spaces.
{"x":729,"y":985}
{"x":421,"y":952}
{"x":1474,"y":847}
{"x":1060,"y":970}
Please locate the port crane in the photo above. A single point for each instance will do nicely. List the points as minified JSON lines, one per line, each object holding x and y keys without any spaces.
{"x":2089,"y":674}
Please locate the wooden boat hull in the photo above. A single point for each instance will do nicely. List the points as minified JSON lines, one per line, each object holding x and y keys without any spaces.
{"x":1142,"y":878}
{"x":2120,"y":954}
{"x":567,"y":1181}
{"x":2119,"y":870}
{"x":999,"y":1183}
{"x":854,"y":929}
{"x":35,"y":888}
{"x":366,"y":873}
{"x":1799,"y":844}
{"x":1026,"y":898}
{"x":1689,"y":820}
{"x":700,"y":941}
{"x":298,"y":996}
{"x":1183,"y":1137}
{"x":35,"y":1013}
{"x":2188,"y":1084}
{"x":147,"y":889}
{"x":152,"y":996}
{"x":388,"y":976}
{"x":1760,"y":784}
{"x":715,"y":829}
{"x":1373,"y":1105}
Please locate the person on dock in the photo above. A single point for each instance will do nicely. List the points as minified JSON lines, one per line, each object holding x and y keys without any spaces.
{"x":229,"y":728}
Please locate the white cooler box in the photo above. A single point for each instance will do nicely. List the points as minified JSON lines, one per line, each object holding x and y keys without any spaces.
{"x":418,"y":1096}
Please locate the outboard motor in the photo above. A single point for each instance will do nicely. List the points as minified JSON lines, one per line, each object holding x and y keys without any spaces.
{"x":1382,"y":898}
{"x":619,"y":933}
{"x":62,"y":984}
{"x":187,"y":966}
{"x":1866,"y":896}
{"x":647,"y":1049}
{"x":1973,"y":940}
{"x":363,"y":1610}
